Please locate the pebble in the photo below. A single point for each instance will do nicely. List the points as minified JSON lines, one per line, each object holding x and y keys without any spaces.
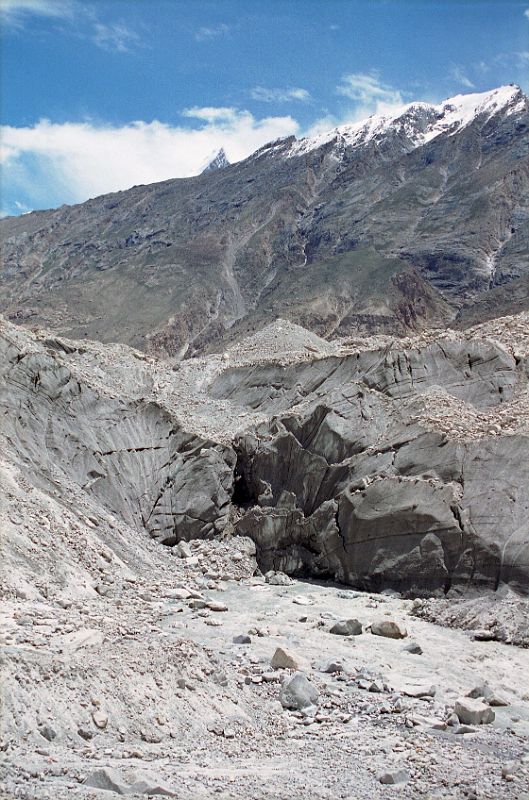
{"x":414,"y":648}
{"x":331,"y":667}
{"x":100,"y":719}
{"x":419,"y":691}
{"x":465,"y":729}
{"x":509,"y":770}
{"x":216,"y":605}
{"x":302,"y":601}
{"x":177,"y":594}
{"x":270,"y":677}
{"x":278,"y":579}
{"x":394,"y":776}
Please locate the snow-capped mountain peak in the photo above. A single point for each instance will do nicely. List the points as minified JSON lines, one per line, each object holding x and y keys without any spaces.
{"x":421,"y":122}
{"x":217,"y":160}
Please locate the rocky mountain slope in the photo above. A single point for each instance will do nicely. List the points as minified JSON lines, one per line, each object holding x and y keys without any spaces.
{"x":388,"y":226}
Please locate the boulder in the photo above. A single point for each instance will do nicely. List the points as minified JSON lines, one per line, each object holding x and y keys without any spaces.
{"x":389,"y":629}
{"x":473,"y":712}
{"x":286,"y":659}
{"x":242,"y":638}
{"x":297,"y":692}
{"x":347,"y":627}
{"x":112,"y":780}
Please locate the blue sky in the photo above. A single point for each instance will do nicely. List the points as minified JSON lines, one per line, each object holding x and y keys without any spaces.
{"x":99,"y":96}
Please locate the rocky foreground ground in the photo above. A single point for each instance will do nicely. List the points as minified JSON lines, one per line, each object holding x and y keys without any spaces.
{"x":137,"y":663}
{"x":163,"y":683}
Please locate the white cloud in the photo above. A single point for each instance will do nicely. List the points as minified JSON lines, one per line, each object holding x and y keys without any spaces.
{"x":114,"y":37}
{"x":75,"y":161}
{"x":78,"y":19}
{"x":213,"y":114}
{"x":481,"y":67}
{"x":207,"y":33}
{"x":264,"y":95}
{"x":526,"y":13}
{"x":14,"y":12}
{"x":459,"y":75}
{"x":369,"y":95}
{"x":22,"y":207}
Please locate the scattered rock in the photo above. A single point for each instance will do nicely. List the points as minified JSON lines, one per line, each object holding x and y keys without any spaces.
{"x":177,"y":594}
{"x":48,"y":732}
{"x":483,"y":635}
{"x":286,"y":659}
{"x":419,"y":691}
{"x":100,"y":719}
{"x":331,"y":667}
{"x":462,"y":729}
{"x":302,"y":601}
{"x":394,"y":776}
{"x":491,"y":697}
{"x":496,"y":699}
{"x":509,"y":770}
{"x":297,"y":692}
{"x":216,"y":605}
{"x":429,"y":722}
{"x":412,"y":647}
{"x":389,"y":629}
{"x":183,"y":550}
{"x":242,"y":638}
{"x":112,"y":780}
{"x":347,"y":627}
{"x":473,"y":712}
{"x":278,"y":579}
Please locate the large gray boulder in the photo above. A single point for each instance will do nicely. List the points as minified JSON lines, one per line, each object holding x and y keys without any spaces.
{"x":297,"y":692}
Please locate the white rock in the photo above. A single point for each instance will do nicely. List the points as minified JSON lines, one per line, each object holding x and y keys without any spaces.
{"x":100,"y":719}
{"x":286,"y":659}
{"x":473,"y":712}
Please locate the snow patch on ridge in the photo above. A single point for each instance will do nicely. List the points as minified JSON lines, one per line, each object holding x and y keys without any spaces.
{"x":420,"y":122}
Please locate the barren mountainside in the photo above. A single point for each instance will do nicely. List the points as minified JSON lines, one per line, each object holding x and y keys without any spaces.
{"x":387,"y":226}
